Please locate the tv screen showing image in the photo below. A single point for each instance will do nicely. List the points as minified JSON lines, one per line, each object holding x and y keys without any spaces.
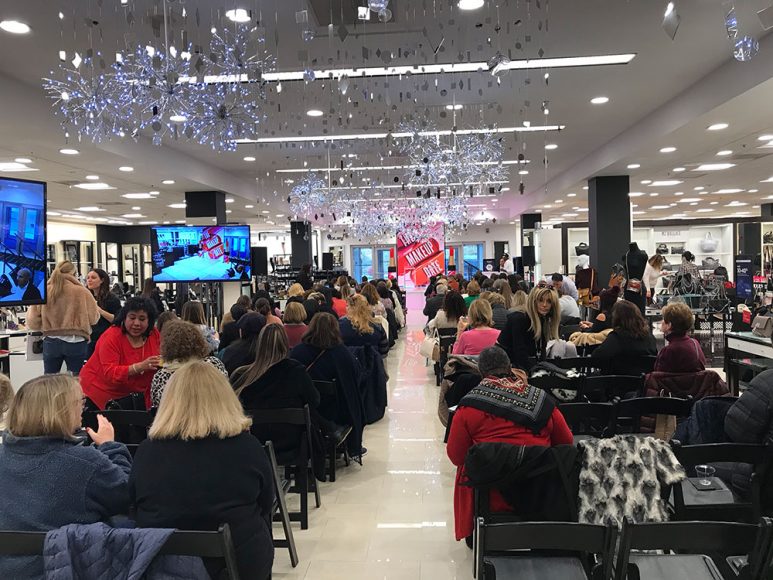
{"x":201,"y":253}
{"x":22,"y":242}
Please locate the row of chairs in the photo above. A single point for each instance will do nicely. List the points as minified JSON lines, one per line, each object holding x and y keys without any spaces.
{"x":572,"y":551}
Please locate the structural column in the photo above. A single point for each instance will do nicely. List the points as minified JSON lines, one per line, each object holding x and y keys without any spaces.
{"x":300,"y":244}
{"x":609,"y":217}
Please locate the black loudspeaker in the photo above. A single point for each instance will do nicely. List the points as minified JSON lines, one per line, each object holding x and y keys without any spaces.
{"x":199,"y":204}
{"x":529,"y":259}
{"x":259,"y":261}
{"x":327,"y":260}
{"x":518,"y":265}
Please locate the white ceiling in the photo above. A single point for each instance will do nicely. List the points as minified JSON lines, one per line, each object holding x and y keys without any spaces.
{"x":666,"y":96}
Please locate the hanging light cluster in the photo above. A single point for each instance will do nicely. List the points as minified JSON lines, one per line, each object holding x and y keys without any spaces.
{"x":212,"y":99}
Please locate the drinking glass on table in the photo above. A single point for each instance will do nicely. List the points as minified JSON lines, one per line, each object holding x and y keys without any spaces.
{"x":704,"y":472}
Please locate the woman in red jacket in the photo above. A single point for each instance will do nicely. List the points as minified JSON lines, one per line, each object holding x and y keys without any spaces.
{"x":503,"y":409}
{"x":126,"y":355}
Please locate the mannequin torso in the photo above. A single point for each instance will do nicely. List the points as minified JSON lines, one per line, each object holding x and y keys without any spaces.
{"x":635,"y":261}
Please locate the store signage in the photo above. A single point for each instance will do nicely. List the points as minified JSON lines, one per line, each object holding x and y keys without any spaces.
{"x":744,"y":277}
{"x":420,"y":255}
{"x":668,"y":233}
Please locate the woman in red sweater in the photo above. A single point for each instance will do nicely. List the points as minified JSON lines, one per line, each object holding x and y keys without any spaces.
{"x":126,"y":355}
{"x":504,"y":409}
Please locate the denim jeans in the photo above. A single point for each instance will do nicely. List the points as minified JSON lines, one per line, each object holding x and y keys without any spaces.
{"x":56,"y":351}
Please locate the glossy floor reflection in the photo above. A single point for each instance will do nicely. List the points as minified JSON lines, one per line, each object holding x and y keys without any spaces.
{"x":393,"y":517}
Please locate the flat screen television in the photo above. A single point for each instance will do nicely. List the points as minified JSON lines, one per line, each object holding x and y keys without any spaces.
{"x":22,"y":242}
{"x":201,"y":253}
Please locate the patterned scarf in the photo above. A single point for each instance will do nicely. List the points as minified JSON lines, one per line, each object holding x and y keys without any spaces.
{"x":513,"y":399}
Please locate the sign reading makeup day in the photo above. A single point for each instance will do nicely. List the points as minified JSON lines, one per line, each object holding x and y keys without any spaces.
{"x":420,"y":254}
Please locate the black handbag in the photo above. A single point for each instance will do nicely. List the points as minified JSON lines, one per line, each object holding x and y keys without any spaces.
{"x":710,"y":263}
{"x":662,"y":249}
{"x":768,"y":238}
{"x":582,"y":249}
{"x":677,"y":249}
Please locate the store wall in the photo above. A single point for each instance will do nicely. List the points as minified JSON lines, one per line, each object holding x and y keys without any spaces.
{"x":58,"y":231}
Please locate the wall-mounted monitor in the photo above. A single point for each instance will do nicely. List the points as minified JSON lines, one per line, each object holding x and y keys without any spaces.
{"x":22,"y":242}
{"x":201,"y":253}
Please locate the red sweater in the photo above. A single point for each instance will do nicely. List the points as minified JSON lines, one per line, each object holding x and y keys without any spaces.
{"x":105,"y":375}
{"x":471,"y":426}
{"x":339,"y":307}
{"x":682,"y":355}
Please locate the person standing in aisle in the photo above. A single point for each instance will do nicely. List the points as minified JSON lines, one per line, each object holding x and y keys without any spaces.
{"x":108,"y":304}
{"x":66,"y":320}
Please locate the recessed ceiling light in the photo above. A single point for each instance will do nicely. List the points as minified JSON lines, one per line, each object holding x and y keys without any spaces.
{"x":177,"y":205}
{"x":665,"y":183}
{"x":137,"y":196}
{"x":238,"y":15}
{"x":136,"y":208}
{"x":765,"y":138}
{"x":736,"y":204}
{"x":660,"y":207}
{"x":229,"y":200}
{"x":503,"y":190}
{"x":571,"y":195}
{"x":714,"y":166}
{"x":638,"y":212}
{"x":699,"y":188}
{"x":585,"y":187}
{"x":636,"y":194}
{"x":753,"y":190}
{"x":455,"y":107}
{"x":314,"y":113}
{"x":179,"y":221}
{"x":678,"y":169}
{"x":249,"y":159}
{"x":133,"y":215}
{"x":89,"y":208}
{"x":727,"y":191}
{"x":150,"y":223}
{"x":281,"y":215}
{"x":678,"y":193}
{"x":668,"y":149}
{"x":12,"y":166}
{"x":523,"y":172}
{"x":634,"y":166}
{"x":547,"y":206}
{"x":23,"y":160}
{"x":68,"y":151}
{"x":250,"y":206}
{"x":470,"y":4}
{"x":559,"y":201}
{"x":53,"y":213}
{"x":264,"y":211}
{"x":654,"y":194}
{"x":92,"y":177}
{"x":94,"y":186}
{"x":689,"y":199}
{"x":14,"y":26}
{"x":551,"y":147}
{"x":717,"y":126}
{"x":645,"y":181}
{"x":724,"y":152}
{"x":126,"y":169}
{"x":168,"y":182}
{"x":178,"y":118}
{"x":599,"y":100}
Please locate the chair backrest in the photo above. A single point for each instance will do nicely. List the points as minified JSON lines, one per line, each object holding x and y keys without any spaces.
{"x":217,"y":544}
{"x":632,"y":364}
{"x":564,"y":536}
{"x":727,"y":538}
{"x":329,"y":401}
{"x":131,"y":427}
{"x":446,"y":332}
{"x":588,"y":418}
{"x":299,"y":417}
{"x":643,"y":406}
{"x":606,"y":387}
{"x":582,"y":364}
{"x":692,"y":455}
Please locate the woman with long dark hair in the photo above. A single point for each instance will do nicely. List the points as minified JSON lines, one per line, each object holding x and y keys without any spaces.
{"x":108,"y":304}
{"x":193,"y":312}
{"x":152,"y":293}
{"x":630,"y":334}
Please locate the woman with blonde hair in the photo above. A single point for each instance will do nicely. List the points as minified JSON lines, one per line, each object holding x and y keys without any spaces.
{"x":296,"y":291}
{"x":359,"y":329}
{"x":193,"y":312}
{"x":520,"y":298}
{"x":474,"y":331}
{"x":526,"y":335}
{"x":200,"y":467}
{"x":65,"y":319}
{"x":503,"y":287}
{"x":473,"y":292}
{"x":294,"y":323}
{"x":49,"y":478}
{"x":652,"y":273}
{"x":181,"y":342}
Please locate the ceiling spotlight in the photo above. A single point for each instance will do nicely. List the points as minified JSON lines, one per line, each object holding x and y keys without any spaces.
{"x":177,"y":205}
{"x":634,"y":166}
{"x":16,"y":27}
{"x":314,"y":113}
{"x":168,"y":182}
{"x":470,"y":4}
{"x":178,"y":118}
{"x":671,"y":20}
{"x":249,"y":159}
{"x":238,"y":15}
{"x":679,"y":169}
{"x":765,"y":138}
{"x":551,"y":147}
{"x":599,"y":100}
{"x":724,"y":153}
{"x":23,"y":160}
{"x":453,"y":107}
{"x":68,"y":151}
{"x":126,"y":169}
{"x":717,"y":127}
{"x":714,"y":166}
{"x":668,"y":149}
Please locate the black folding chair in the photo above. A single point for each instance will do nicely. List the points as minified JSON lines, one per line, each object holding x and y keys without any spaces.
{"x":280,"y":507}
{"x":131,"y":427}
{"x":629,"y":412}
{"x":300,"y":467}
{"x":582,"y":364}
{"x":330,"y":408}
{"x":692,"y":504}
{"x":567,"y":389}
{"x":508,"y":550}
{"x":705,"y":550}
{"x":446,"y":340}
{"x":210,"y":545}
{"x":605,"y":388}
{"x":588,"y":420}
{"x":630,"y":365}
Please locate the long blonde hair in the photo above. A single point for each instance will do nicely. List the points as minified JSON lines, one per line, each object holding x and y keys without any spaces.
{"x":58,"y":279}
{"x":198,"y":402}
{"x":270,"y":349}
{"x":46,"y":407}
{"x":520,"y":299}
{"x":549,"y":332}
{"x":480,"y":313}
{"x":359,"y":314}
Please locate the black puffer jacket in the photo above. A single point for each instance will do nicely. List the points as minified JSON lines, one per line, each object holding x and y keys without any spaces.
{"x":750,"y":419}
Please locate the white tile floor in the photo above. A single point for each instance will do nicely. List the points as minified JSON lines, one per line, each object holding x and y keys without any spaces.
{"x":393,"y":517}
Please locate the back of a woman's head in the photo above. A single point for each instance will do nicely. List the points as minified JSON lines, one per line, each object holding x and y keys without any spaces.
{"x":493,"y":298}
{"x":679,"y":316}
{"x":295,"y":290}
{"x":359,"y":314}
{"x":656,"y":261}
{"x":473,"y":288}
{"x":164,"y":318}
{"x":608,"y":298}
{"x":58,"y":278}
{"x":47,"y":406}
{"x":193,"y":312}
{"x":454,"y":305}
{"x":519,"y":299}
{"x":627,"y":319}
{"x":198,"y":402}
{"x":382,"y":290}
{"x":323,"y":332}
{"x":6,"y":395}
{"x":263,"y":306}
{"x":244,"y":301}
{"x":295,"y":313}
{"x":688,"y":256}
{"x":480,"y":313}
{"x":250,"y":326}
{"x":272,"y":344}
{"x":182,"y":341}
{"x":369,"y":292}
{"x":237,"y":311}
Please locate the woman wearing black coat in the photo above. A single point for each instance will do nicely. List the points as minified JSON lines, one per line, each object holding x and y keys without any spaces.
{"x":200,"y":467}
{"x":630,"y":337}
{"x":242,"y":352}
{"x":526,"y":334}
{"x":325,"y":358}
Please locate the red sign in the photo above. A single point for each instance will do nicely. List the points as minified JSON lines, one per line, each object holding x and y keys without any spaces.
{"x":420,"y":256}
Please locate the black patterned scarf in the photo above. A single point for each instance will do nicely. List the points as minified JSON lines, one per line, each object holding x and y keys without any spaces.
{"x":512,"y":399}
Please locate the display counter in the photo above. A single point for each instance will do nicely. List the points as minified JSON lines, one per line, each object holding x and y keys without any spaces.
{"x":745,"y":352}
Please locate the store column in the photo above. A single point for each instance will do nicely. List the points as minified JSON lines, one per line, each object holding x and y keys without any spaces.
{"x":300,"y":244}
{"x":609,"y":218}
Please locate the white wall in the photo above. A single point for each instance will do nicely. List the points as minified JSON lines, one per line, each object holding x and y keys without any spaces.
{"x":58,"y":231}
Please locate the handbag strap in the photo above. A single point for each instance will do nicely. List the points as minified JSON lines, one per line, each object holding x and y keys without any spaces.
{"x":308,"y":368}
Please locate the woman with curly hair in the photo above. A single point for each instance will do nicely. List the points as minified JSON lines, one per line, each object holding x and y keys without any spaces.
{"x":181,"y":342}
{"x":359,"y":329}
